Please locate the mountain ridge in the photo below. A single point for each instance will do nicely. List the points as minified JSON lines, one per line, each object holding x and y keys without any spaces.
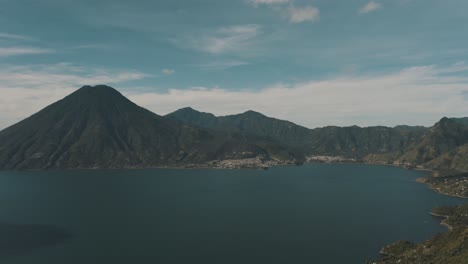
{"x":97,"y":127}
{"x":398,"y":145}
{"x":346,"y":141}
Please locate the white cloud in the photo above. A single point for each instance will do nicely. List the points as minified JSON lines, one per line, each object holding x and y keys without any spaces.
{"x":222,"y":65}
{"x":295,"y":14}
{"x":61,"y":75}
{"x":168,"y":71}
{"x":90,"y":46}
{"x":226,"y":39}
{"x":14,"y":36}
{"x":414,"y":96}
{"x":13,"y":45}
{"x":370,"y":7}
{"x":268,"y":2}
{"x":17,"y":51}
{"x":27,"y":89}
{"x":302,"y":14}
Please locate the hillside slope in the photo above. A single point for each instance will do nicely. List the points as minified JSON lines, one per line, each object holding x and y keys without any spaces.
{"x":354,"y":141}
{"x":97,"y":127}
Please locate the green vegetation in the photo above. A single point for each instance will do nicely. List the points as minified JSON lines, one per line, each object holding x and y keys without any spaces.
{"x":456,"y":159}
{"x":353,"y":142}
{"x":97,"y":127}
{"x":442,"y":147}
{"x":448,"y":248}
{"x":248,"y":123}
{"x":455,"y":185}
{"x":446,"y":136}
{"x":461,"y":120}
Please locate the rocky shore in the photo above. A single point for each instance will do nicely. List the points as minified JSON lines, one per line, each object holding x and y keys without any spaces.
{"x":329,"y":159}
{"x":454,"y":185}
{"x":444,"y":222}
{"x":450,"y":247}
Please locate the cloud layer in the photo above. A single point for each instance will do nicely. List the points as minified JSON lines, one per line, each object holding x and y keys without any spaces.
{"x":416,"y":95}
{"x":11,"y":47}
{"x":370,"y":7}
{"x":168,"y":71}
{"x":295,"y":14}
{"x":268,"y":2}
{"x":223,"y":40}
{"x":302,"y":14}
{"x":17,"y":51}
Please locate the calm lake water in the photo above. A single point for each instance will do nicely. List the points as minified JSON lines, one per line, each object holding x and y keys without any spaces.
{"x":320,"y":213}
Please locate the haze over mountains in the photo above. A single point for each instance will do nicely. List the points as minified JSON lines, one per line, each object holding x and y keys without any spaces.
{"x":97,"y":127}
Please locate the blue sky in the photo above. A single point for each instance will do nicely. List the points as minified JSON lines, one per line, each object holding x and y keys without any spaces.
{"x":314,"y":62}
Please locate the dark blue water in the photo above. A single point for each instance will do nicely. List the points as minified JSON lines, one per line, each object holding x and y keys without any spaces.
{"x":342,"y":213}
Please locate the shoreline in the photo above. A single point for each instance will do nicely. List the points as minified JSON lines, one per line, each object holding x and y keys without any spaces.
{"x":444,"y":221}
{"x":422,"y":180}
{"x":217,"y":164}
{"x":432,"y":187}
{"x":259,"y":164}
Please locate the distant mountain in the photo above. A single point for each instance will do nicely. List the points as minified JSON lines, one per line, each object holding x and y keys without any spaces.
{"x":97,"y":127}
{"x":445,"y":136}
{"x":248,"y":123}
{"x":358,"y":142}
{"x":192,"y":116}
{"x":352,"y":141}
{"x":461,"y":120}
{"x":454,"y":154}
{"x":455,"y":160}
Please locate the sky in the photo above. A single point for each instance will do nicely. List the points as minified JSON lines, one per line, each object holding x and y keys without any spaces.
{"x":313,"y":62}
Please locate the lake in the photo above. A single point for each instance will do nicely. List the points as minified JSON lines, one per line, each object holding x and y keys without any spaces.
{"x":317,"y":213}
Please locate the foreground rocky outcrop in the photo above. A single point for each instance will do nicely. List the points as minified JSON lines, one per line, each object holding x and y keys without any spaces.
{"x":453,"y":185}
{"x":447,"y":248}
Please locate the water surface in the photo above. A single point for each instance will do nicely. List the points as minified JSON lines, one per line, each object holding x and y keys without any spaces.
{"x":319,"y":213}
